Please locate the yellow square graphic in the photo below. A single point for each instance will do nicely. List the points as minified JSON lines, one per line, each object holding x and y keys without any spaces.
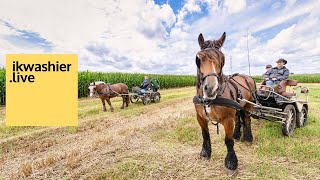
{"x":51,"y":100}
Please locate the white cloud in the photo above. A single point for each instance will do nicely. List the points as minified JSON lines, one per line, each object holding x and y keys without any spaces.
{"x":282,"y":16}
{"x":233,"y":6}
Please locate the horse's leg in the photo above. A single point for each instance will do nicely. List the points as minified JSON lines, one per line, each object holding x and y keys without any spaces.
{"x":123,"y":101}
{"x":231,"y":161}
{"x":237,"y":128}
{"x":247,"y":134}
{"x":109,"y":102}
{"x":127,"y":100}
{"x":206,"y":146}
{"x":103,"y":104}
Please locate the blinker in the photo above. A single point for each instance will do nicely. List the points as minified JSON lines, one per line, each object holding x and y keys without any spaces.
{"x":198,"y":62}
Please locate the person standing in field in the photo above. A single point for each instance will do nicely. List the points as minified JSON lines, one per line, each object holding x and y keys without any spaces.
{"x":279,"y":73}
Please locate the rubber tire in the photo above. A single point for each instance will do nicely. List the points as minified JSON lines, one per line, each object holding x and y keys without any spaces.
{"x":134,"y":100}
{"x":302,"y":121}
{"x":287,"y":129}
{"x":156,"y":98}
{"x":146,"y":100}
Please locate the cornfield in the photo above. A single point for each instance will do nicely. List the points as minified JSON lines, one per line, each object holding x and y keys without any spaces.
{"x":131,"y":79}
{"x":135,"y":79}
{"x":2,"y":86}
{"x":302,"y":78}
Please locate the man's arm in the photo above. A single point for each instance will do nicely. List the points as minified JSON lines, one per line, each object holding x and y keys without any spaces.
{"x":285,"y":75}
{"x":142,"y":85}
{"x":266,"y":75}
{"x":272,"y":75}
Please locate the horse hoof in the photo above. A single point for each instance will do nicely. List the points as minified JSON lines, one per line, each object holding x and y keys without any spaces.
{"x":205,"y":155}
{"x":231,"y":161}
{"x":122,"y":108}
{"x":248,"y":138}
{"x":236,"y":137}
{"x":104,"y":110}
{"x":231,"y":173}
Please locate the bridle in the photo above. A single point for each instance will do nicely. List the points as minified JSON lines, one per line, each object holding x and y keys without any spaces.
{"x":203,"y":78}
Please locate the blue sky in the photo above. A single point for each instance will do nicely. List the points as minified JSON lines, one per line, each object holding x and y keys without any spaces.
{"x":161,"y":36}
{"x":176,"y":5}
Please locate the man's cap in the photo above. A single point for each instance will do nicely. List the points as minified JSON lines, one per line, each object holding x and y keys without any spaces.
{"x":269,"y":66}
{"x":283,"y":60}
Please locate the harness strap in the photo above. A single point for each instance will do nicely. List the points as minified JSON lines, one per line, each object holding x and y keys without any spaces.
{"x":211,"y":74}
{"x":216,"y":124}
{"x":111,"y":92}
{"x":247,"y":83}
{"x":219,"y":101}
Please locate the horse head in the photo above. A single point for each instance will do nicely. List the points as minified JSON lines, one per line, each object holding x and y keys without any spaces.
{"x":210,"y":61}
{"x":93,"y":88}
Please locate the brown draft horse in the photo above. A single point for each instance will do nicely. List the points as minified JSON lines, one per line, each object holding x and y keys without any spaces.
{"x":107,"y":91}
{"x":212,"y":83}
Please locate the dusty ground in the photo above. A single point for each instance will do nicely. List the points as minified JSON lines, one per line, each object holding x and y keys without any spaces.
{"x":160,"y":141}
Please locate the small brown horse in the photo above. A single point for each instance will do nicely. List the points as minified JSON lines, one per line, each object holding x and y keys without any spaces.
{"x":107,"y":91}
{"x":212,"y":84}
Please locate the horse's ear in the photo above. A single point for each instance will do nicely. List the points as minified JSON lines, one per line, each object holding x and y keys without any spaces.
{"x":200,"y":40}
{"x":221,"y":39}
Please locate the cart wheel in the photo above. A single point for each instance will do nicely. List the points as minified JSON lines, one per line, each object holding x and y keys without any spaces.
{"x":134,"y":98}
{"x":302,"y":117}
{"x":290,"y":123}
{"x":156,"y":98}
{"x":146,"y":100}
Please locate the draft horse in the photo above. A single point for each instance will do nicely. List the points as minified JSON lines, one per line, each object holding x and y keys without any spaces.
{"x":213,"y":85}
{"x":107,"y":91}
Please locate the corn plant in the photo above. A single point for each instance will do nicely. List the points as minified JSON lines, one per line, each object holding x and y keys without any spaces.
{"x":2,"y":86}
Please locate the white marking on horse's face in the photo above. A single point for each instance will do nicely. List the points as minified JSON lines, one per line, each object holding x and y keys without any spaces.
{"x":214,"y":89}
{"x":92,"y":89}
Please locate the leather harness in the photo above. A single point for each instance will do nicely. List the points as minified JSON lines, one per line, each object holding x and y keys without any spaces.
{"x":110,"y":92}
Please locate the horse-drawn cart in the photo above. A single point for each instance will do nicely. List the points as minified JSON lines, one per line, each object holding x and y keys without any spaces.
{"x":146,"y":97}
{"x":282,"y":106}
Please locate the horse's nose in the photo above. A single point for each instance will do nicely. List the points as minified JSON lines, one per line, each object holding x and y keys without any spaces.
{"x":208,"y":89}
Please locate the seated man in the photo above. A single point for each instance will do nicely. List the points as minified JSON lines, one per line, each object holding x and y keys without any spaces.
{"x":266,"y":75}
{"x":278,"y":74}
{"x":145,"y":86}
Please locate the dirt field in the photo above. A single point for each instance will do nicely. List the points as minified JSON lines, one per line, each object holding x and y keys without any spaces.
{"x":160,"y":141}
